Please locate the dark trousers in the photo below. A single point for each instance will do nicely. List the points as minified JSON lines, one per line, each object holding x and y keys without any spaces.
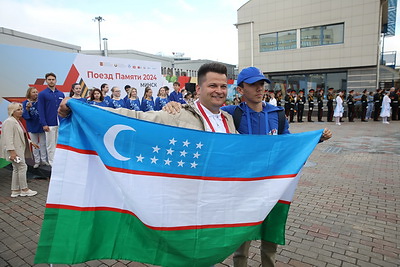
{"x":291,"y":114}
{"x":395,"y":111}
{"x":351,"y":112}
{"x":377,"y":111}
{"x":329,"y":117}
{"x":363,"y":112}
{"x":300,"y":111}
{"x":320,"y":112}
{"x":309,"y":114}
{"x":287,"y":110}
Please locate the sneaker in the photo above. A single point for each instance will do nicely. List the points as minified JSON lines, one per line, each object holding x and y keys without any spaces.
{"x":36,"y":166}
{"x":15,"y":193}
{"x":45,"y":163}
{"x":28,"y":193}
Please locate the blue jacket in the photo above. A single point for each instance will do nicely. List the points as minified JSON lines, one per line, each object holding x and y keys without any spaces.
{"x":117,"y":103}
{"x":177,"y":97}
{"x":32,"y":117}
{"x":160,"y":103}
{"x":132,"y":104}
{"x":48,"y":103}
{"x":101,"y":104}
{"x":264,"y":122}
{"x":107,"y":100}
{"x":147,"y":105}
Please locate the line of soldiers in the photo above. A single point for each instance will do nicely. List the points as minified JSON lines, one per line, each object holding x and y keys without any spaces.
{"x":370,"y":102}
{"x":295,"y":104}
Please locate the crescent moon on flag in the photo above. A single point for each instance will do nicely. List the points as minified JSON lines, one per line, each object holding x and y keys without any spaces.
{"x":109,"y":139}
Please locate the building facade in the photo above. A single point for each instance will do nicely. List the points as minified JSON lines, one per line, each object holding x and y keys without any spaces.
{"x":174,"y":66}
{"x":315,"y":44}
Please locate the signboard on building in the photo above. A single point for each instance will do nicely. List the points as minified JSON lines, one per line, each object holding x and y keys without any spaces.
{"x":22,"y":67}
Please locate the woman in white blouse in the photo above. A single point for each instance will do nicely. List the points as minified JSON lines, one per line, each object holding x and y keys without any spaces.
{"x":338,"y":113}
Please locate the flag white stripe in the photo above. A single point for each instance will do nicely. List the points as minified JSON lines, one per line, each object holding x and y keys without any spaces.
{"x":83,"y":181}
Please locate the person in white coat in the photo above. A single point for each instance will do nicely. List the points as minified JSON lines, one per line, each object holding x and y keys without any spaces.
{"x":338,"y":113}
{"x":385,"y":110}
{"x":14,"y":147}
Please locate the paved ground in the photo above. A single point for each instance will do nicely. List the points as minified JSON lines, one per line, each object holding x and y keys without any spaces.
{"x":346,"y":210}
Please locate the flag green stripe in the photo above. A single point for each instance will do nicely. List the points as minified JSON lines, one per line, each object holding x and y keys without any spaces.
{"x":70,"y":237}
{"x":4,"y":163}
{"x":273,"y":227}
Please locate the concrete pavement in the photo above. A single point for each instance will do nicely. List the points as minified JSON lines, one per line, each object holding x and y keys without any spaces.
{"x":345,"y":212}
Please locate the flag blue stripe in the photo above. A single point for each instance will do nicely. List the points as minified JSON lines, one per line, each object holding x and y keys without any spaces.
{"x":153,"y":147}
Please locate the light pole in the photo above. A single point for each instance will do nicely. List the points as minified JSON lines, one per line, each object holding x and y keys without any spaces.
{"x":99,"y":19}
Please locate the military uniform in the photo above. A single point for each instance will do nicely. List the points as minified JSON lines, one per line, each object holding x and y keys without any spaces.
{"x":330,"y":97}
{"x":278,"y":99}
{"x":394,"y":98}
{"x":364,"y":105}
{"x":287,"y":104}
{"x":300,"y":101}
{"x":320,"y":101}
{"x":350,"y":106}
{"x":310,"y":105}
{"x":377,"y":104}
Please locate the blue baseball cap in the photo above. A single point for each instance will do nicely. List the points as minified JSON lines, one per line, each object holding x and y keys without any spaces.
{"x":251,"y":75}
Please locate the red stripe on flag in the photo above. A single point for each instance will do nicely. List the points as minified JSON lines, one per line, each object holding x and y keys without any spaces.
{"x":77,"y":150}
{"x":171,"y":175}
{"x":284,"y":202}
{"x":207,"y":178}
{"x":174,"y":228}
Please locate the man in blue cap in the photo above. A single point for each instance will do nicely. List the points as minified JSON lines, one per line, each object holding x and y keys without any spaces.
{"x":253,"y":116}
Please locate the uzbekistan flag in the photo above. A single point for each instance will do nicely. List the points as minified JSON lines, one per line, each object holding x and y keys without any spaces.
{"x":127,"y":189}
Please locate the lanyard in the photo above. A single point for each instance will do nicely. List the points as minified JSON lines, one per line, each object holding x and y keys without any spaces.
{"x":208,"y":120}
{"x":250,"y":129}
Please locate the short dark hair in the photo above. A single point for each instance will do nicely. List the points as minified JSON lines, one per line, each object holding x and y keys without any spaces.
{"x":50,"y":74}
{"x":127,"y":87}
{"x":176,"y":83}
{"x":210,"y":67}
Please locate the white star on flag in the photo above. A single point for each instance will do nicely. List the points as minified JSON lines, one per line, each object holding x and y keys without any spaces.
{"x":156,"y":149}
{"x":194,"y":164}
{"x":186,"y":143}
{"x":140,"y":158}
{"x":199,"y":145}
{"x":172,"y":141}
{"x":170,"y":151}
{"x":154,"y":160}
{"x":167,"y":161}
{"x":183,"y":153}
{"x":180,"y":163}
{"x":196,"y":155}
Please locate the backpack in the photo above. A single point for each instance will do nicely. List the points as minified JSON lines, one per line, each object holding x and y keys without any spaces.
{"x":237,"y":117}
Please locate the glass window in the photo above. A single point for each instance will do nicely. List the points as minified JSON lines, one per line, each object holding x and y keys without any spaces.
{"x":310,"y":36}
{"x":268,"y":42}
{"x":287,"y":40}
{"x":322,"y":35}
{"x":278,"y":41}
{"x":333,"y":34}
{"x":337,"y":80}
{"x":316,"y":82}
